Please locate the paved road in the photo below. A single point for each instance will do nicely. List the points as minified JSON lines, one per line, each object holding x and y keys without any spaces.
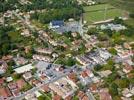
{"x":90,"y":95}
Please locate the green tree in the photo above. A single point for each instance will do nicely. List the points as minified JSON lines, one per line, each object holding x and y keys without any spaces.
{"x":118,"y":20}
{"x":97,"y":67}
{"x":16,"y":76}
{"x":117,"y":98}
{"x":102,"y":36}
{"x":112,"y":51}
{"x":111,"y":77}
{"x":70,"y":62}
{"x":123,"y":83}
{"x":42,"y":98}
{"x":113,"y":89}
{"x":75,"y":98}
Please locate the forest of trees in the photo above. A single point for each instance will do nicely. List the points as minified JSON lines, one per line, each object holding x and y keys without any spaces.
{"x":5,"y":41}
{"x":37,"y":5}
{"x":57,"y":14}
{"x":55,"y":9}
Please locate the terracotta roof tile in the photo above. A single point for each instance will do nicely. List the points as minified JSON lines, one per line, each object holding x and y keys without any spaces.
{"x":5,"y":92}
{"x":57,"y":97}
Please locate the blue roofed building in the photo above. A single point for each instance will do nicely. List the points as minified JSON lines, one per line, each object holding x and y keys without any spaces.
{"x":60,"y":26}
{"x":56,"y":24}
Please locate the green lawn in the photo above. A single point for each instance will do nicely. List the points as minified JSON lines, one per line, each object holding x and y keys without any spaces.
{"x":91,"y":17}
{"x":130,"y":22}
{"x":97,"y":7}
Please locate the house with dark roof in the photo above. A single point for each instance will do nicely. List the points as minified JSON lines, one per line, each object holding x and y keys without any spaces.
{"x":60,"y":26}
{"x":56,"y":24}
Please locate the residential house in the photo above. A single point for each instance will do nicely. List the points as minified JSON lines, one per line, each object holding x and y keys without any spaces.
{"x":42,"y":58}
{"x":4,"y":93}
{"x":45,"y":88}
{"x":1,"y":81}
{"x":127,"y":46}
{"x":82,"y":96}
{"x":105,"y":73}
{"x":20,"y":60}
{"x":127,"y":93}
{"x":3,"y":67}
{"x":14,"y":88}
{"x":86,"y":76}
{"x":44,"y":50}
{"x":93,"y":88}
{"x":8,"y":14}
{"x":27,"y":75}
{"x":63,"y":87}
{"x":35,"y":82}
{"x":116,"y":27}
{"x":30,"y":97}
{"x":9,"y":79}
{"x":127,"y":68}
{"x":74,"y":34}
{"x":20,"y":83}
{"x":72,"y":76}
{"x":68,"y":98}
{"x":57,"y":97}
{"x":104,"y":53}
{"x":7,"y":58}
{"x":104,"y":94}
{"x":26,"y":33}
{"x":98,"y":56}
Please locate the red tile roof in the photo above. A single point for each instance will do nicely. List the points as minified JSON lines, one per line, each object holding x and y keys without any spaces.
{"x":85,"y":98}
{"x":128,"y":67}
{"x":20,"y":83}
{"x":5,"y":92}
{"x":93,"y":87}
{"x":1,"y":81}
{"x":73,"y":77}
{"x":68,"y":98}
{"x":46,"y":88}
{"x":57,"y":97}
{"x":104,"y":95}
{"x":86,"y":73}
{"x":130,"y":75}
{"x":80,"y":94}
{"x":8,"y":57}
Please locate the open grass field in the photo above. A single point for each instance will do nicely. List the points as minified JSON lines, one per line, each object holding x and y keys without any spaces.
{"x":97,"y":7}
{"x":97,"y":13}
{"x":130,"y":22}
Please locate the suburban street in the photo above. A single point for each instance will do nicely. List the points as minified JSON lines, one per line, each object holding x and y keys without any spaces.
{"x":38,"y":87}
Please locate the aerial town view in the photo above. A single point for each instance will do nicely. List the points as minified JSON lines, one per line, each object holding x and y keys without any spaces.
{"x":66,"y":49}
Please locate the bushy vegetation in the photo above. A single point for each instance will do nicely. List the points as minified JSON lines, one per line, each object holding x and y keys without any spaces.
{"x":5,"y":40}
{"x":57,"y":14}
